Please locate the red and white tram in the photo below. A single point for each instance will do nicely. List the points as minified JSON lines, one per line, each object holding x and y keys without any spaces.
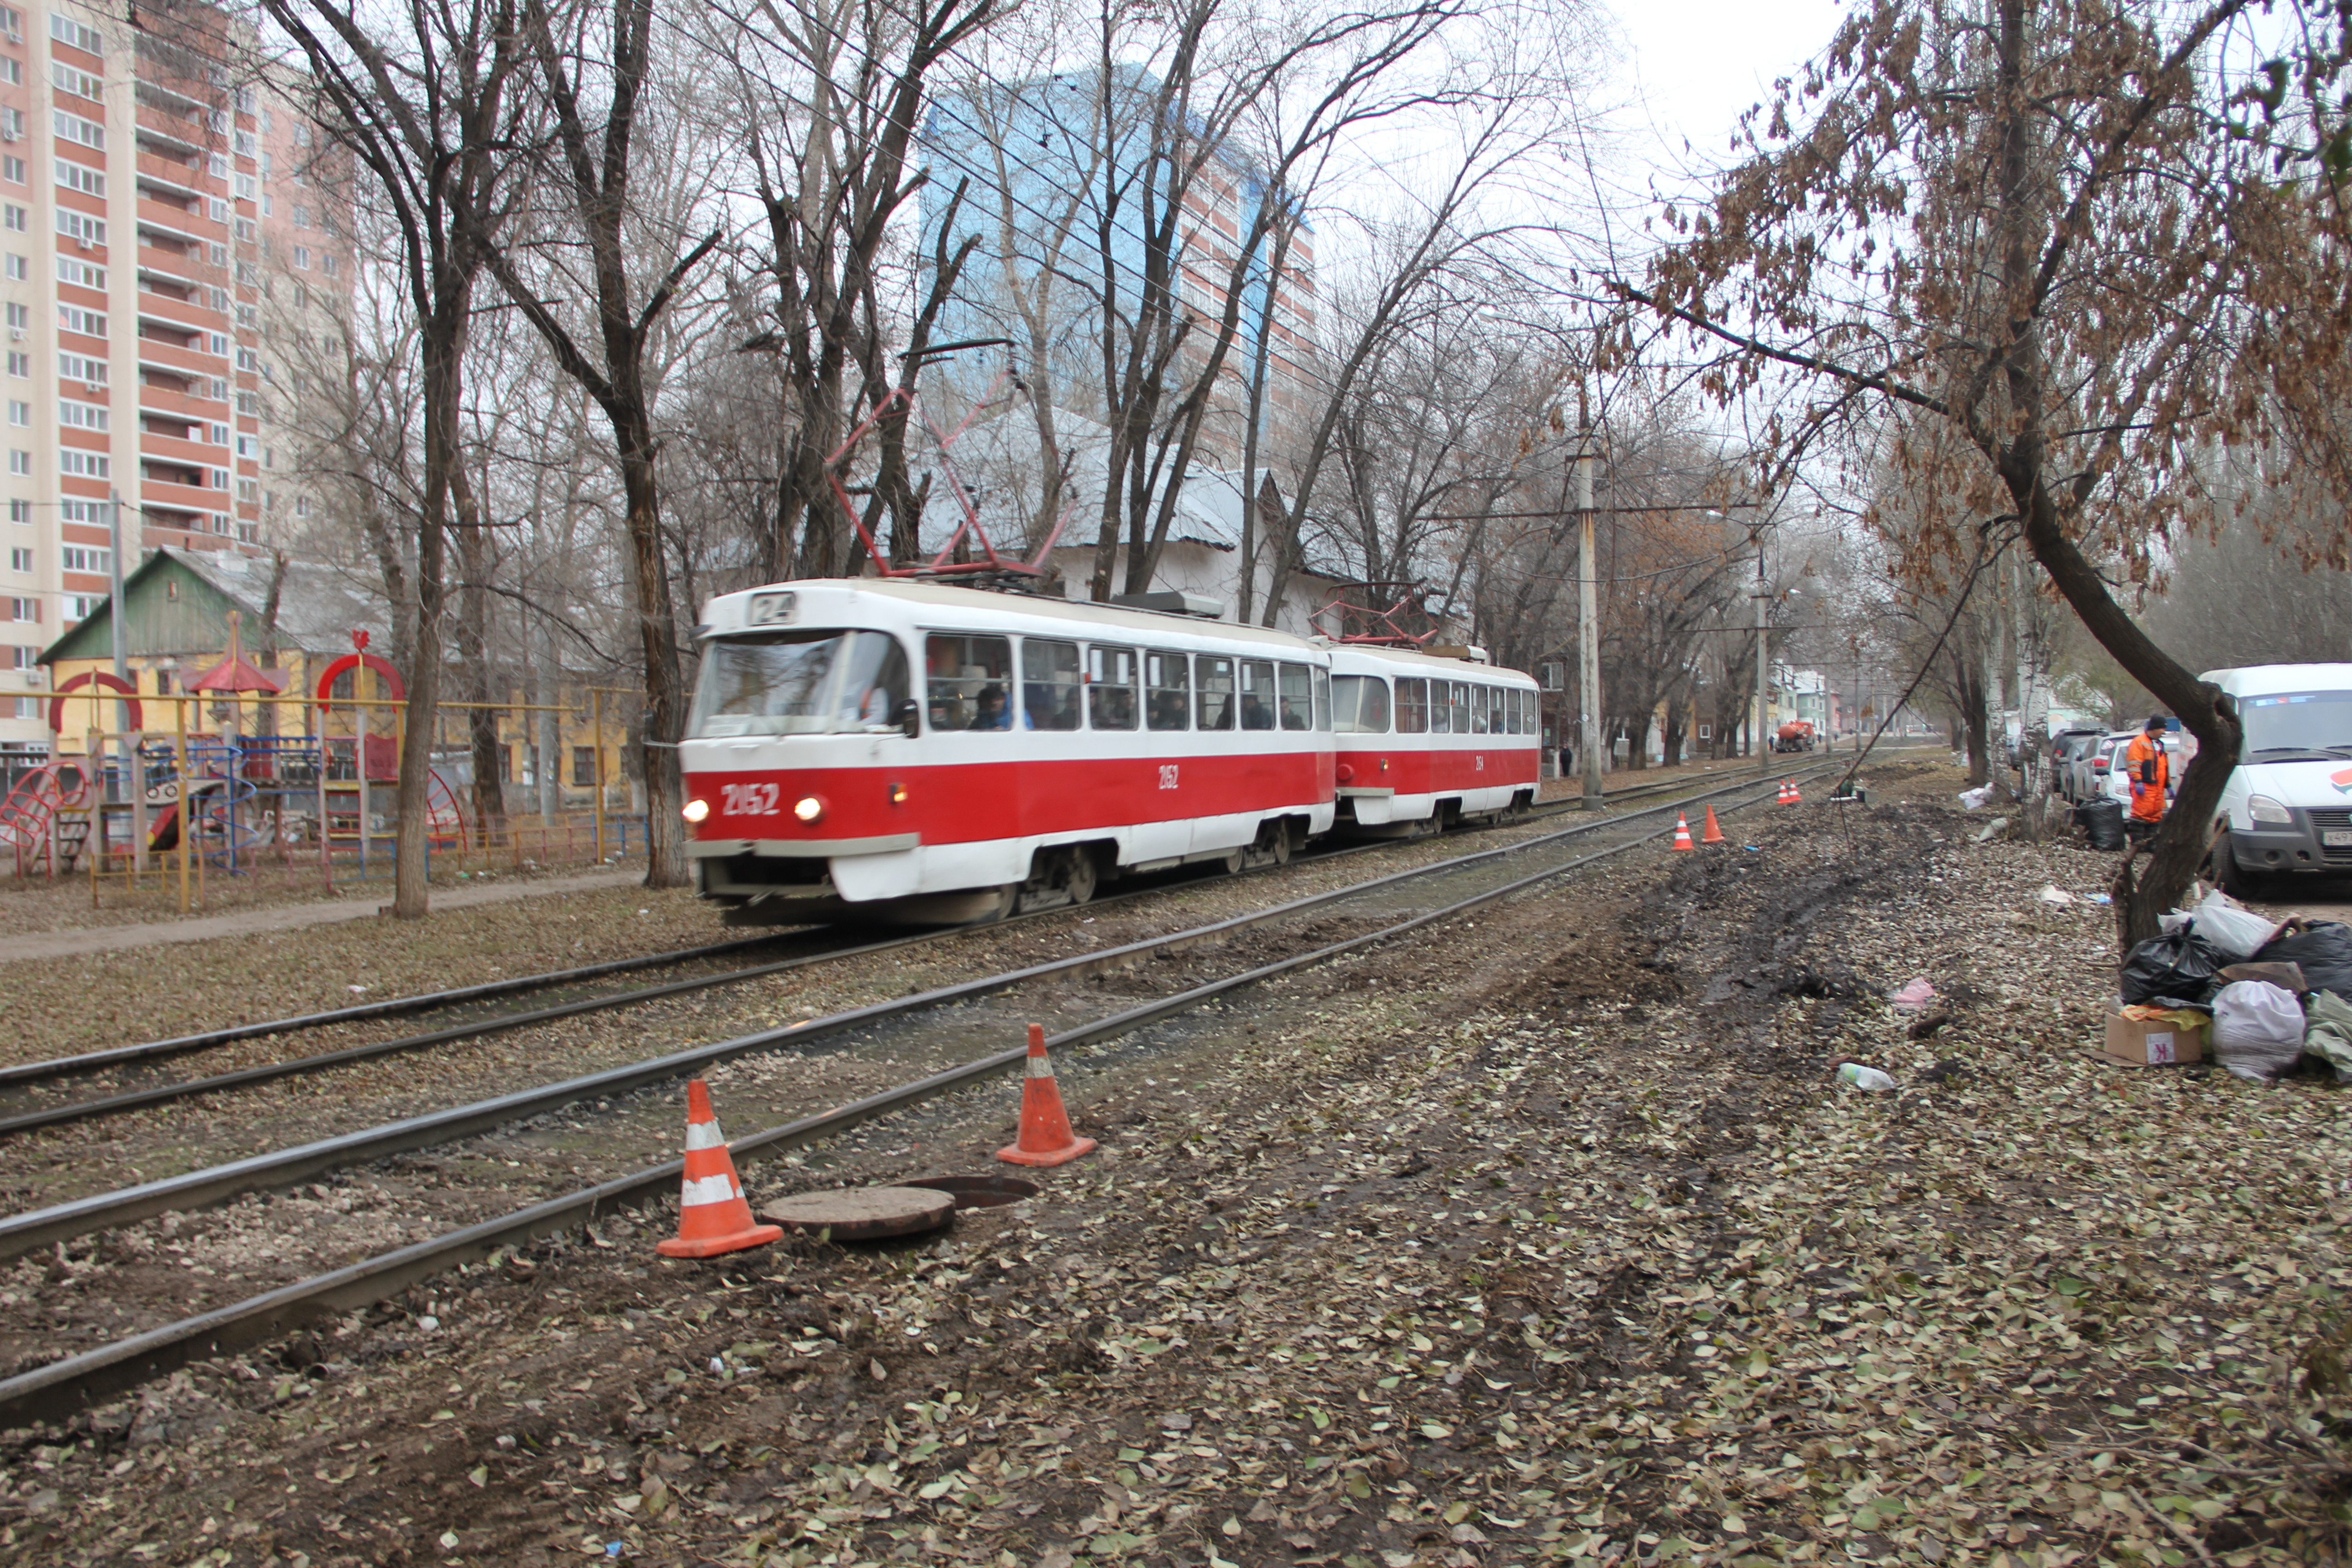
{"x":943,"y":753}
{"x":1423,"y":741}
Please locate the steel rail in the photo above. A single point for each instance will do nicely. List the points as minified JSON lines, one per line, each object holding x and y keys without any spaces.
{"x":75,"y":1382}
{"x":294,"y":1067}
{"x":24,"y":1232}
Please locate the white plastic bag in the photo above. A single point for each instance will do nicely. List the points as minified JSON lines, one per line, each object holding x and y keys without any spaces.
{"x":1974,"y":799}
{"x":2257,"y":1028}
{"x":2232,"y":927}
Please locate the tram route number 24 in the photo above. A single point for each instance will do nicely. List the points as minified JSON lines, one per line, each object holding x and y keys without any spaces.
{"x":750,"y":799}
{"x":1168,"y":776}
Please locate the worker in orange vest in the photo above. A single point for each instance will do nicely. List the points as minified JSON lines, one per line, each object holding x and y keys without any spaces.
{"x":2151,"y":774}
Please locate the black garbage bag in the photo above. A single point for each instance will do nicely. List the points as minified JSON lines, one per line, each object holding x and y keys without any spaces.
{"x":2323,"y":950}
{"x":2104,"y":821}
{"x":2178,"y":966}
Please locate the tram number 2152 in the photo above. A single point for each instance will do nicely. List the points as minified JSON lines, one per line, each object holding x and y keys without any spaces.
{"x":750,"y":799}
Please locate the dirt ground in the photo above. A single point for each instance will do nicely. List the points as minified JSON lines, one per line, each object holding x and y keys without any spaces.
{"x":1547,"y":1237}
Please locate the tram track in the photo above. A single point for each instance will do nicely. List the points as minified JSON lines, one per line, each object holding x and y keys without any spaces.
{"x":90,"y":1375}
{"x":104,"y":1063}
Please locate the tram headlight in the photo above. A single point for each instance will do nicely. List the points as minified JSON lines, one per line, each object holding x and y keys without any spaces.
{"x":809,"y":809}
{"x":695,"y":810}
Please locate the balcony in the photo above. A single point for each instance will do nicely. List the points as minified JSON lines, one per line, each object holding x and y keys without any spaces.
{"x":170,"y":131}
{"x":194,"y":399}
{"x":186,"y":227}
{"x":187,"y":362}
{"x":180,"y":173}
{"x":160,"y":329}
{"x":174,"y":451}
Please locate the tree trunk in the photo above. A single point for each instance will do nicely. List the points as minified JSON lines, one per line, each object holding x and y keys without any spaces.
{"x":658,"y":641}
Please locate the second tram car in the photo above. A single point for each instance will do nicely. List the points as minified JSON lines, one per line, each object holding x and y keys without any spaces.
{"x":943,"y":753}
{"x":1423,"y":741}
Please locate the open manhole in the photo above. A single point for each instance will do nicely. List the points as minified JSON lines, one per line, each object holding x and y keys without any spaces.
{"x":978,"y":1191}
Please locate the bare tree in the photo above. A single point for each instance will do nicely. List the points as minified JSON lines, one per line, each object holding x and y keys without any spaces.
{"x":427,"y":109}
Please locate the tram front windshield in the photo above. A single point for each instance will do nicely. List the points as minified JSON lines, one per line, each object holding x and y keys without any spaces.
{"x":802,"y":682}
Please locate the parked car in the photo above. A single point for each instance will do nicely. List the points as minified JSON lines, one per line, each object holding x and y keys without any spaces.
{"x":2067,"y":748}
{"x":2287,"y":808}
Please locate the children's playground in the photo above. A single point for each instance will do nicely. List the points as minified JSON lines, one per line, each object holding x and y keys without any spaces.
{"x":237,"y":776}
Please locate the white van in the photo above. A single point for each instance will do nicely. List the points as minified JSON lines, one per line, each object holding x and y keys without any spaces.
{"x":2288,"y":807}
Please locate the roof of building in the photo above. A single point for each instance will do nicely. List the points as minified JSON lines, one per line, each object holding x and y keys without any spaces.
{"x":177,"y":601}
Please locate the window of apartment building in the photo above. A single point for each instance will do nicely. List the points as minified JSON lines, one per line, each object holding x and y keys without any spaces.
{"x":20,"y":512}
{"x":17,"y":219}
{"x":220,"y":256}
{"x":81,"y":228}
{"x":247,"y":274}
{"x":584,"y":767}
{"x":81,"y":606}
{"x":11,"y":124}
{"x":73,"y":177}
{"x":20,"y":461}
{"x":248,"y":362}
{"x":301,"y":133}
{"x":219,"y":344}
{"x":249,"y":317}
{"x":20,"y":559}
{"x":20,"y":269}
{"x":81,"y":415}
{"x":12,"y":24}
{"x":247,"y":144}
{"x":302,"y":215}
{"x":249,"y":405}
{"x":268,"y":457}
{"x":248,"y":230}
{"x":248,"y":532}
{"x":301,"y":506}
{"x":217,"y":298}
{"x":333,"y":266}
{"x":19,"y":412}
{"x":219,"y":433}
{"x":248,"y":491}
{"x":82,"y":367}
{"x":301,"y":259}
{"x":248,"y":188}
{"x":249,"y":447}
{"x":219,"y":390}
{"x":81,"y":274}
{"x":85,"y":558}
{"x":22,"y":609}
{"x":12,"y":170}
{"x":66,"y":30}
{"x":74,"y":127}
{"x":26,"y":707}
{"x":83,"y":465}
{"x":12,"y":70}
{"x":75,"y":80}
{"x":220,"y":522}
{"x":74,"y":319}
{"x":22,"y":657}
{"x":216,"y":478}
{"x":218,"y":207}
{"x":19,"y":317}
{"x":92,"y":513}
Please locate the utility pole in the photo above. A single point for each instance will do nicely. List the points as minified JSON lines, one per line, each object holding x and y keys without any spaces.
{"x":1588,"y":628}
{"x":1763,"y":737}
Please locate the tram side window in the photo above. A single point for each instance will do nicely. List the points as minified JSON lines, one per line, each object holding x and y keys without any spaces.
{"x":1049,"y":684}
{"x":1258,"y":694}
{"x":1360,"y":703}
{"x":1111,"y":687}
{"x":1323,"y":699}
{"x":968,"y":681}
{"x":1216,"y":693}
{"x":873,"y":682}
{"x":1479,"y":716}
{"x":1411,"y":705}
{"x":1496,"y":724}
{"x":1461,"y":696}
{"x":1167,"y":690}
{"x":1296,"y":683}
{"x":1514,"y":711}
{"x":1441,"y":709}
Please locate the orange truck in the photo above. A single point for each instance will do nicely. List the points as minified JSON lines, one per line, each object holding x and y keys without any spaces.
{"x":1796,"y":735}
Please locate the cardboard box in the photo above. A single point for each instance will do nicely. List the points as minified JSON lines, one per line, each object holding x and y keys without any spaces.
{"x":2152,"y":1043}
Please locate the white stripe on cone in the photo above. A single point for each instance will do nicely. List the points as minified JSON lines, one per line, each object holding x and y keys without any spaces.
{"x":704,"y":1135}
{"x":1040,"y":1065}
{"x":718,"y":1189}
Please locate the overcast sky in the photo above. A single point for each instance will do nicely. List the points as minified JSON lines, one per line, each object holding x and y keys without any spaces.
{"x":1697,"y":64}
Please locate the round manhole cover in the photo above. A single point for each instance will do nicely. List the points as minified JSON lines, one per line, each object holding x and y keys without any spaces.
{"x":850,"y":1213}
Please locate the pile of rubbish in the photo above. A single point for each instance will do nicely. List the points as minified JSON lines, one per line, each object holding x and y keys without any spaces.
{"x":2265,"y":993}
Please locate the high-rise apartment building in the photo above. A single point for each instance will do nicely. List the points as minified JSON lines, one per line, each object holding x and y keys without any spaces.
{"x":160,"y":227}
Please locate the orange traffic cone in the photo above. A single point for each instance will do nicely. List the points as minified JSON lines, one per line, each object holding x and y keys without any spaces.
{"x":1796,"y":796}
{"x":1714,"y":835}
{"x":712,"y":1216}
{"x":1782,"y":798}
{"x":1045,"y":1135}
{"x":1682,"y":832}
